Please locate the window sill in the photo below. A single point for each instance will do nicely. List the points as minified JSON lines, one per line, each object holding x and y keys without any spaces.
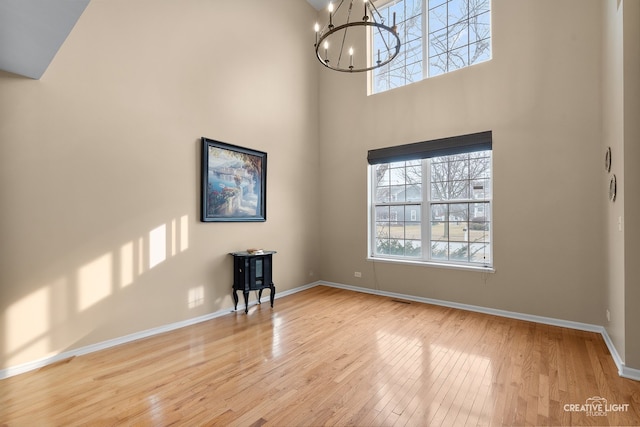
{"x":479,"y":268}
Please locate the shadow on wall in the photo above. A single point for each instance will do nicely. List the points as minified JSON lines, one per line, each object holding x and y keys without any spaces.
{"x":31,"y":322}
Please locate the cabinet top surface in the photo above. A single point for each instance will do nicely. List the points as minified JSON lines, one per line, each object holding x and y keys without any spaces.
{"x":246,"y":254}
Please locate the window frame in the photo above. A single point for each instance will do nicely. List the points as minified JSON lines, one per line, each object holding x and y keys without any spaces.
{"x":425,"y":45}
{"x":425,"y":152}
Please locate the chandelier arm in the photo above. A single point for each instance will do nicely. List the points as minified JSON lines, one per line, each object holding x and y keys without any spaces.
{"x":375,"y":9}
{"x":344,"y":35}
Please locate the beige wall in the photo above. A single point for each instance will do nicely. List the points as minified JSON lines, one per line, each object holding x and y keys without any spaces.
{"x":621,"y":132}
{"x":99,"y":167}
{"x":612,"y":136}
{"x":100,"y":163}
{"x":541,"y":97}
{"x":632,"y":180}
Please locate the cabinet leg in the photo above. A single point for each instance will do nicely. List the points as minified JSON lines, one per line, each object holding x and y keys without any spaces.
{"x":273,"y":294}
{"x":260,"y":296}
{"x":235,"y":300}
{"x":246,"y":302}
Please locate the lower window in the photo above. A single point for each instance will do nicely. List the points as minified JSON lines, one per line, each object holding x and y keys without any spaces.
{"x":435,"y":209}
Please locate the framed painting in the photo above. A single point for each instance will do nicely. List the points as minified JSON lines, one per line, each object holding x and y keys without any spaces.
{"x":234,"y":183}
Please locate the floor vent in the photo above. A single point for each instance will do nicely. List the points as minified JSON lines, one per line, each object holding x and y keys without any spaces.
{"x":400,"y":301}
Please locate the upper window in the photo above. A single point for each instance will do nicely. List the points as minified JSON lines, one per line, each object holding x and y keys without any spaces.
{"x":431,"y":201}
{"x":450,"y":35}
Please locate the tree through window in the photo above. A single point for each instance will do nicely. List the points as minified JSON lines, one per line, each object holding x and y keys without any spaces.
{"x":452,"y":34}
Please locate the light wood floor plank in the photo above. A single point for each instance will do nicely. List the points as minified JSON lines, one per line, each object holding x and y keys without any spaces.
{"x":327,"y":356}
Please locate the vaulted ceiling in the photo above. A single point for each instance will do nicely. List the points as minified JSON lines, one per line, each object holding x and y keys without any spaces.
{"x":32,"y":31}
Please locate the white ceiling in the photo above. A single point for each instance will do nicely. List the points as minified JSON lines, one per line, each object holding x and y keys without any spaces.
{"x":319,"y":4}
{"x":32,"y":31}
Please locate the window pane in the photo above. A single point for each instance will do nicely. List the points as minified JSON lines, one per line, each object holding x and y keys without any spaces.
{"x":382,"y":174}
{"x":382,"y":246}
{"x":457,"y":190}
{"x":414,"y":29}
{"x":479,"y":233}
{"x":459,"y":251}
{"x":396,"y":247}
{"x":480,"y":27}
{"x":458,"y":58}
{"x":413,"y":213}
{"x":396,"y":231}
{"x":479,"y":52}
{"x":480,"y":189}
{"x":397,"y":193}
{"x":458,"y":231}
{"x":382,"y":213}
{"x":458,"y":212}
{"x":479,"y":253}
{"x":414,"y":193}
{"x":396,"y":214}
{"x":413,"y":8}
{"x":438,"y":65}
{"x":458,"y":11}
{"x":413,"y":248}
{"x":414,"y":52}
{"x":398,"y":8}
{"x":435,"y":3}
{"x":439,"y":251}
{"x":413,"y":230}
{"x":439,"y":231}
{"x":382,"y":195}
{"x":437,"y":18}
{"x":438,"y":43}
{"x":479,"y":6}
{"x":458,"y":38}
{"x":439,"y":212}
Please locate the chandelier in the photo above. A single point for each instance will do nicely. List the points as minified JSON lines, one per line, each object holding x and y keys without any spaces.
{"x":332,"y":39}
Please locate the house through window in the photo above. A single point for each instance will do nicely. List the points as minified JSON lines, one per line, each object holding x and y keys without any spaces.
{"x":431,"y":201}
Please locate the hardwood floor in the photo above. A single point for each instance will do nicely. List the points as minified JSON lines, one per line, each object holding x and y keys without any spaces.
{"x":327,"y":356}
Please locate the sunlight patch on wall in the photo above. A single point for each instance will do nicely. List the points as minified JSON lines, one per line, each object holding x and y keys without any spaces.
{"x":184,"y":233}
{"x":126,"y":264}
{"x":174,"y":233}
{"x":140,"y":256}
{"x":157,"y":245}
{"x":196,"y":297}
{"x":28,"y":325}
{"x":179,"y":235}
{"x":42,"y":323}
{"x":95,"y":281}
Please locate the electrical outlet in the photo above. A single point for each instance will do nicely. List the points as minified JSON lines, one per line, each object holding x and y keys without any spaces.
{"x":608,"y":316}
{"x":357,"y":274}
{"x":310,"y":273}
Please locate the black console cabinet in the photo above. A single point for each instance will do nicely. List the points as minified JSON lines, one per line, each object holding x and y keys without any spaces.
{"x":252,"y":272}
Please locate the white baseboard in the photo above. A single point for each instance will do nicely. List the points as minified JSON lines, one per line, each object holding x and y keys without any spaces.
{"x":37,"y":364}
{"x":623,"y":371}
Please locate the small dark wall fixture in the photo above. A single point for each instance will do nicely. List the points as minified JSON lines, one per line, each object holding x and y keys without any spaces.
{"x":234,"y":183}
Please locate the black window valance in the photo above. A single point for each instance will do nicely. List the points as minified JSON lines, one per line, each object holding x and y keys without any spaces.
{"x":435,"y":148}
